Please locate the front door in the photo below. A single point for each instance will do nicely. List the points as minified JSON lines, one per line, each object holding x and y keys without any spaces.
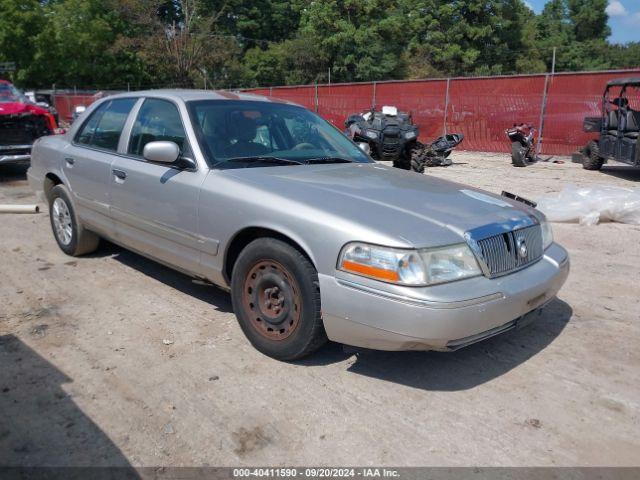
{"x":155,"y":205}
{"x":87,"y":162}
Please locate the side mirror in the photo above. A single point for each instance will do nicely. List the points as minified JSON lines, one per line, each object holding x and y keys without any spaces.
{"x":364,"y":146}
{"x":161,"y":152}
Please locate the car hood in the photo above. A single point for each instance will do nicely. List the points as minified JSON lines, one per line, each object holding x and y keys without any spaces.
{"x":17,"y":108}
{"x":414,"y":210}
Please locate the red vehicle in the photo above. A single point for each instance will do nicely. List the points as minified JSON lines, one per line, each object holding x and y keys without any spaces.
{"x":21,"y":123}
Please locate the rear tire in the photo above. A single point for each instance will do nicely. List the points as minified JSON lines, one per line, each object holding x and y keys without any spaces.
{"x":518,"y":155}
{"x":592,"y":159}
{"x":276,"y":298}
{"x":72,"y":238}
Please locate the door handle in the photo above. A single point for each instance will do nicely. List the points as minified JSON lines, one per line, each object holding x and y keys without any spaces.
{"x":70,"y":161}
{"x":121,"y":174}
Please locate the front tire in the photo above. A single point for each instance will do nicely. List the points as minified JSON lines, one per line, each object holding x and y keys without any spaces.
{"x":72,"y":238}
{"x":592,"y":159}
{"x":276,"y":297}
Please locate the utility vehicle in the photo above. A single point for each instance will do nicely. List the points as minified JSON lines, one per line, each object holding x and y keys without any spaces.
{"x":617,"y":127}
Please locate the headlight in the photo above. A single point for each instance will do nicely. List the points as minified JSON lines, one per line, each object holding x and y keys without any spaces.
{"x":409,"y":267}
{"x":547,"y":234}
{"x":372,"y":134}
{"x":410,"y":135}
{"x":446,"y":264}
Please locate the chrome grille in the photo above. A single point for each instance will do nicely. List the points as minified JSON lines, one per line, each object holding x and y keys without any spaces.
{"x":504,"y":253}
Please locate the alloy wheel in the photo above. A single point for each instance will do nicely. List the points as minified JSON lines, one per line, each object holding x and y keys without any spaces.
{"x":62,"y":221}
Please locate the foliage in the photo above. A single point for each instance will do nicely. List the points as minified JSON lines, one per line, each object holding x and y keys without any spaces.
{"x":227,"y":43}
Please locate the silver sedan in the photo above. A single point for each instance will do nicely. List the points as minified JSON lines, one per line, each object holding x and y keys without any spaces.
{"x":313,"y":239}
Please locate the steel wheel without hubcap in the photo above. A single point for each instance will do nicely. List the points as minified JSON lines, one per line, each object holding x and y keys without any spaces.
{"x":272,"y":300}
{"x":62,"y":221}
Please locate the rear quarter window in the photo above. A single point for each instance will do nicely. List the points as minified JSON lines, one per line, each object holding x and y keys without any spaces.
{"x":104,"y":127}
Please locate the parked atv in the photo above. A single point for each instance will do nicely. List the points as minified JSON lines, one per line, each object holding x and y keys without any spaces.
{"x":392,"y":136}
{"x":522,"y":138}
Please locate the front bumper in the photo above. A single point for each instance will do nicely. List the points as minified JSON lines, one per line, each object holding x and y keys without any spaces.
{"x":443,"y":317}
{"x":15,"y":154}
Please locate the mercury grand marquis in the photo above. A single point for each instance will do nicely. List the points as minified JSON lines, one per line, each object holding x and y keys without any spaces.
{"x":313,"y":239}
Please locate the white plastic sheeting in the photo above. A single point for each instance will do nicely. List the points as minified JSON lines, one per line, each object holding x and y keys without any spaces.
{"x":594,"y":204}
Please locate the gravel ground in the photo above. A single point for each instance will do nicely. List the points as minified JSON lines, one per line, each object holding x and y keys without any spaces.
{"x":112,"y":359}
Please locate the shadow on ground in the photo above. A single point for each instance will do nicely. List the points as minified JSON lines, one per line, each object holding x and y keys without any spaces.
{"x":460,"y":370}
{"x":40,"y":425}
{"x":204,"y":291}
{"x":625,"y":173}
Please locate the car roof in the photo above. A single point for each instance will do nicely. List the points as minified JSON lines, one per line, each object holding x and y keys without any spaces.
{"x":193,"y":95}
{"x":620,"y":82}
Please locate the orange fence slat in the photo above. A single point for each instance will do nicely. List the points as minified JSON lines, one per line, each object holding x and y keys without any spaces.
{"x":482,"y":109}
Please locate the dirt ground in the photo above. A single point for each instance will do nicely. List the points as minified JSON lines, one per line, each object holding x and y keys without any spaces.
{"x":112,"y":359}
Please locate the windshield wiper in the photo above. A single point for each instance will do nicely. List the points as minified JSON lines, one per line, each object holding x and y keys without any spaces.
{"x":261,"y":160}
{"x":312,"y":161}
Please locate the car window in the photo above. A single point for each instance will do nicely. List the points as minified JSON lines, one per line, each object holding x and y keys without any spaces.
{"x":241,"y":130}
{"x":10,"y":94}
{"x":86,"y":132}
{"x":104,"y":127}
{"x":158,"y":120}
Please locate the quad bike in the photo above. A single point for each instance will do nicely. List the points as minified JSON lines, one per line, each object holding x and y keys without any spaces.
{"x":392,"y":136}
{"x":522,"y":138}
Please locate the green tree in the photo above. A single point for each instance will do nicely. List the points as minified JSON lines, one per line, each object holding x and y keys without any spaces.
{"x":18,"y":22}
{"x":179,"y":40}
{"x":578,"y":30}
{"x":258,"y":22}
{"x":589,"y":19}
{"x":73,"y":47}
{"x":471,"y":36}
{"x":359,"y":39}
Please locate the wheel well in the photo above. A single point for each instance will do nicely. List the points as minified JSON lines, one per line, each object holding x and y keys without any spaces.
{"x":248,"y":235}
{"x":50,"y":181}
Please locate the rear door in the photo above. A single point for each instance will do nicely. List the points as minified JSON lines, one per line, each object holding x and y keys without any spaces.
{"x":87,"y":162}
{"x":155,"y":205}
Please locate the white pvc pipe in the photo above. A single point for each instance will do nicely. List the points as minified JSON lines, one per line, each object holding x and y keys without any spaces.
{"x":19,"y":209}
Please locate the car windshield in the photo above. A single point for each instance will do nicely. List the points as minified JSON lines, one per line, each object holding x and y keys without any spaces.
{"x":10,"y":94}
{"x":237,"y":134}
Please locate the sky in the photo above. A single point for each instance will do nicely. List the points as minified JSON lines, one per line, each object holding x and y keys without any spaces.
{"x":624,"y":18}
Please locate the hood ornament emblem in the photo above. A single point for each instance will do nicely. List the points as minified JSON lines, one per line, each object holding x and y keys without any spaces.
{"x":521,"y":246}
